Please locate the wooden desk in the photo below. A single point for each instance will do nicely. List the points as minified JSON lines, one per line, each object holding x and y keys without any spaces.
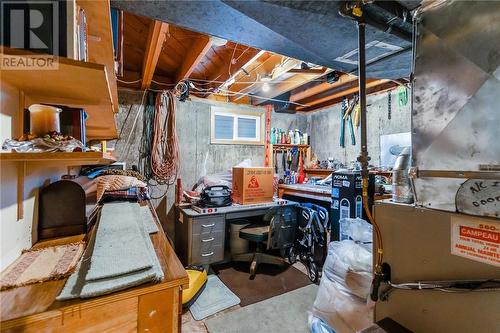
{"x":152,"y":307}
{"x":317,"y":172}
{"x":315,"y":192}
{"x":201,"y":237}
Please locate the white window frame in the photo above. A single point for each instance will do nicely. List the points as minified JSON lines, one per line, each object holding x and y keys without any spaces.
{"x":257,"y":115}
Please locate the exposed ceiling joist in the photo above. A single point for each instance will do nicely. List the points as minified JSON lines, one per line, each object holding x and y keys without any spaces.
{"x":195,"y":54}
{"x":390,"y":85}
{"x":335,"y":98}
{"x":310,"y":93}
{"x":249,"y":83}
{"x":286,"y":65}
{"x":310,"y":71}
{"x":233,"y":66}
{"x":156,"y":37}
{"x":287,"y":85}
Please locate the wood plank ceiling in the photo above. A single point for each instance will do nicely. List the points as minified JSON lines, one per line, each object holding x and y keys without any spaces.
{"x":157,"y":55}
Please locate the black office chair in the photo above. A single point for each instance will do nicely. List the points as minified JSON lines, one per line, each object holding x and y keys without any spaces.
{"x":277,"y":233}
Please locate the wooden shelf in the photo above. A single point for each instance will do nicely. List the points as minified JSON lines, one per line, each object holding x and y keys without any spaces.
{"x":317,"y":172}
{"x":71,"y":82}
{"x":288,"y":145}
{"x":100,"y":41}
{"x":76,"y":157}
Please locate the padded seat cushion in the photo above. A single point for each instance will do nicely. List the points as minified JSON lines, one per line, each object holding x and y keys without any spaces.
{"x":255,"y":233}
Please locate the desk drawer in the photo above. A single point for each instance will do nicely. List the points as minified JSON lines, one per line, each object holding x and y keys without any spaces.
{"x":207,"y":253}
{"x":213,"y":238}
{"x":208,"y":225}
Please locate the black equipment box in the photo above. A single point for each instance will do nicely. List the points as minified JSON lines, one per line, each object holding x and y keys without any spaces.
{"x":216,"y":196}
{"x":347,"y":198}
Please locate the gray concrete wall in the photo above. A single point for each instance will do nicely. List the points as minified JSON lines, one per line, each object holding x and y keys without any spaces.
{"x":198,"y":156}
{"x":324,"y":126}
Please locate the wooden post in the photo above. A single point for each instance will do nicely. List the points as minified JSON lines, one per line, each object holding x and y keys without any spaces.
{"x":267,"y":144}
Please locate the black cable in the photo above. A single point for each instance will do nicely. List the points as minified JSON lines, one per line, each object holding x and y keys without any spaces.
{"x":147,"y":136}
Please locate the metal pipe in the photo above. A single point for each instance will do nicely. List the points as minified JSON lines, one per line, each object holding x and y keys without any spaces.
{"x":363,"y":157}
{"x":417,"y":173}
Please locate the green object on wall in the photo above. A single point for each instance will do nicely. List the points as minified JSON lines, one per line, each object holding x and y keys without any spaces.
{"x":402,"y":96}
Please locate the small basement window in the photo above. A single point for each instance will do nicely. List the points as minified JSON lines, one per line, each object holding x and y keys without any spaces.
{"x":236,"y":127}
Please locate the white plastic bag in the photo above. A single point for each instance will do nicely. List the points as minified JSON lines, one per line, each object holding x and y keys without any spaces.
{"x":350,"y":265}
{"x":223,"y":178}
{"x":343,"y":292}
{"x":342,"y":311}
{"x":356,"y":229}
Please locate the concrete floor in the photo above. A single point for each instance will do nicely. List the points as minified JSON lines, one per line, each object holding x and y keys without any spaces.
{"x":189,"y":325}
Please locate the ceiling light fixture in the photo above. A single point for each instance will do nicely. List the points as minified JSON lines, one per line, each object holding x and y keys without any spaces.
{"x":265,"y":78}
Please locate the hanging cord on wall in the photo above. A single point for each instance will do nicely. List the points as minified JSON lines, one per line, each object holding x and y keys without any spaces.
{"x":165,"y":148}
{"x":147,"y":137}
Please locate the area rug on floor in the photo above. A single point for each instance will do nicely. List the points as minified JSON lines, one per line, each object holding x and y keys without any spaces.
{"x":214,"y":298}
{"x":286,"y":313}
{"x":50,"y":263}
{"x":270,"y":281}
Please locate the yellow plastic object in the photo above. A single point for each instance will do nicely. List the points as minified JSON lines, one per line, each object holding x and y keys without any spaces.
{"x":356,"y":11}
{"x":196,"y":281}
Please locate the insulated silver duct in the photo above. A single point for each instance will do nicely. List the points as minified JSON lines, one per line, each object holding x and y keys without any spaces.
{"x":456,"y":98}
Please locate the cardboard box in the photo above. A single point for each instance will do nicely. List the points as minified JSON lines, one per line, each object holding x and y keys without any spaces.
{"x":252,"y":185}
{"x":347,"y":201}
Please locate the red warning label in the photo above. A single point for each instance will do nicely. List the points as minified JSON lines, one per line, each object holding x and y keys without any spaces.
{"x":489,"y":236}
{"x":253,"y":183}
{"x":476,"y":239}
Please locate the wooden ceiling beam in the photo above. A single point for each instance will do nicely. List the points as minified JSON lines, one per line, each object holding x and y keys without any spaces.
{"x":294,"y":82}
{"x":194,"y":55}
{"x":370,"y":91}
{"x":308,"y":94}
{"x":310,"y":71}
{"x":156,"y":37}
{"x":371,"y":86}
{"x":262,"y":66}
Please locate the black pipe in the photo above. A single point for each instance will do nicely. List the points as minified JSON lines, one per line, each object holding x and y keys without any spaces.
{"x":374,"y":17}
{"x":363,"y":156}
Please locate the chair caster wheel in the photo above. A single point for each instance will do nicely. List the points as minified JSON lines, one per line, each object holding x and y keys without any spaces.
{"x":253,"y":270}
{"x":292,"y":255}
{"x":312,"y":272}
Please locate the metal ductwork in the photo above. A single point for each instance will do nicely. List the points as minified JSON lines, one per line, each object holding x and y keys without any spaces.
{"x":456,"y":98}
{"x":312,"y":31}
